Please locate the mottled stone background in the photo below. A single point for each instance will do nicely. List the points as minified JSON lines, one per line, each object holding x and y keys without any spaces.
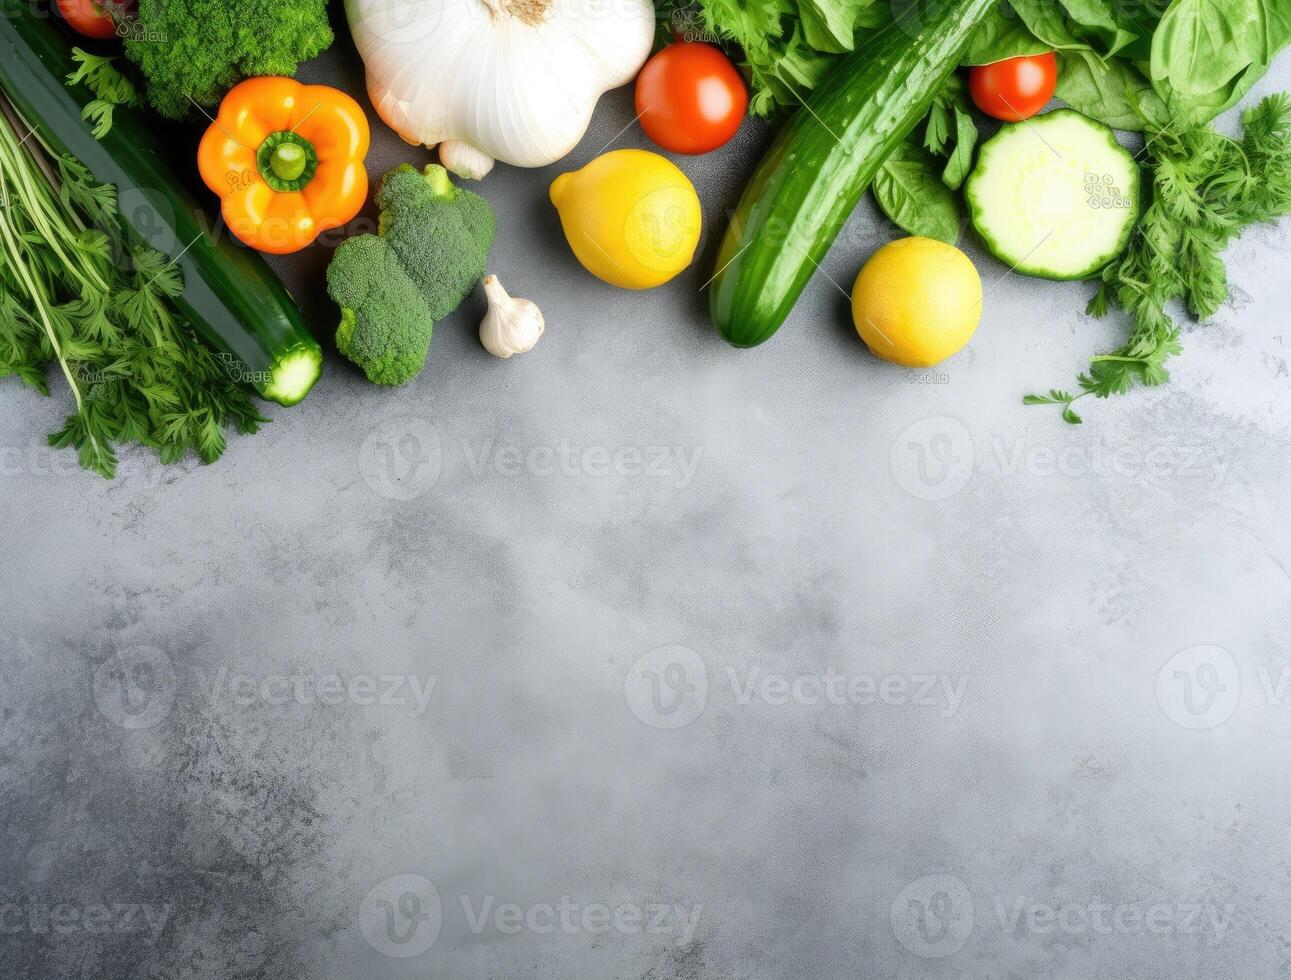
{"x":641,"y":657}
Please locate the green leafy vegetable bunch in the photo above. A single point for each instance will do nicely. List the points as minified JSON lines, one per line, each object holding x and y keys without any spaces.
{"x":193,"y":51}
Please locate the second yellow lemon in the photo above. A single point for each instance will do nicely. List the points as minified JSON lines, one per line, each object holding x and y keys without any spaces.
{"x":631,"y":217}
{"x":917,"y":301}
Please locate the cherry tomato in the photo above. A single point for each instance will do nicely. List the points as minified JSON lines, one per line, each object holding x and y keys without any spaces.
{"x":91,"y":17}
{"x":690,"y":98}
{"x":1016,"y":88}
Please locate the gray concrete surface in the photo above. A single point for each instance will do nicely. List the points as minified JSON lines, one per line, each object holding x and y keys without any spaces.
{"x":642,"y":657}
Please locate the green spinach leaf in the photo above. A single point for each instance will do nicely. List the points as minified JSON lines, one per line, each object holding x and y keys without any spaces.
{"x":1201,"y":46}
{"x":1098,"y":19}
{"x":1047,"y":20}
{"x":1112,"y":91}
{"x":910,"y":191}
{"x":1001,"y":35}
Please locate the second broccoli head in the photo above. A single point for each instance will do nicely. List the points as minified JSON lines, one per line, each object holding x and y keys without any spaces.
{"x":193,"y":51}
{"x":429,"y":251}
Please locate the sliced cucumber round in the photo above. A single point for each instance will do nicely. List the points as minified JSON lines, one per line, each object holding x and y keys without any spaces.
{"x":1054,"y":196}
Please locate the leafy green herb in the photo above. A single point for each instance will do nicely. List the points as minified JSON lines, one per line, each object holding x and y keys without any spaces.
{"x":73,"y":293}
{"x":950,"y":132}
{"x":110,"y":88}
{"x":909,"y":191}
{"x":1206,"y":187}
{"x":1203,"y":51}
{"x":1110,"y":90}
{"x":787,"y":45}
{"x":1000,"y":36}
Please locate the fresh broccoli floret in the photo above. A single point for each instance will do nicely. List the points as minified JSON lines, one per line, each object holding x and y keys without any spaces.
{"x":429,"y":251}
{"x":385,"y":324}
{"x":196,"y":50}
{"x":441,"y":232}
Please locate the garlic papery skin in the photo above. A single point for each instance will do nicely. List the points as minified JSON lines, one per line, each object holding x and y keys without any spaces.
{"x":511,"y":326}
{"x":511,"y":80}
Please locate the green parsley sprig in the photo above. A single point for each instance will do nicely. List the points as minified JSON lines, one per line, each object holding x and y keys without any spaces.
{"x":110,"y":87}
{"x":74,"y":293}
{"x":1205,"y":189}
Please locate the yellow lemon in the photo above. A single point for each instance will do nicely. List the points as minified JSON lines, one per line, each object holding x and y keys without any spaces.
{"x":630,"y":216}
{"x":917,"y":301}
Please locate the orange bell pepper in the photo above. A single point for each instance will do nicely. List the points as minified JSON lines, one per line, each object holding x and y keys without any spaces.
{"x":286,"y":160}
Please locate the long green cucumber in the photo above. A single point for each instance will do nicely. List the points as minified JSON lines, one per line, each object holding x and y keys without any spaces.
{"x":824,"y":158}
{"x":231,"y":297}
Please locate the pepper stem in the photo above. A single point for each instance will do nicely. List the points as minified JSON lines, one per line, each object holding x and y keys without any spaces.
{"x":287,"y":161}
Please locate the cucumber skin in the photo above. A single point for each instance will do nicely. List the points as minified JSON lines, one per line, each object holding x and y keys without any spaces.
{"x":821,"y":163}
{"x":231,"y":297}
{"x":978,"y":209}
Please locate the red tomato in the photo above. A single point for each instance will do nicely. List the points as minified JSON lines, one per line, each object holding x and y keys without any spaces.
{"x":1016,"y":88}
{"x":690,"y":98}
{"x":90,"y":17}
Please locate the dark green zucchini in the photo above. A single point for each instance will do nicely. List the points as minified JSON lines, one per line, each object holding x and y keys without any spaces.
{"x":823,"y":160}
{"x":231,"y":297}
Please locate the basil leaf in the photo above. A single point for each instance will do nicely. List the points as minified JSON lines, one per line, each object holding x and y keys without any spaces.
{"x":1197,"y":108}
{"x":1001,"y":35}
{"x":909,"y":190}
{"x":961,"y":159}
{"x":1113,"y":91}
{"x":1046,"y":20}
{"x":1201,"y":46}
{"x":1095,"y":17}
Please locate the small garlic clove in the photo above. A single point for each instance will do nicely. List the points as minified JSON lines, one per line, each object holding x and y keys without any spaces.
{"x":464,"y":160}
{"x":511,"y":326}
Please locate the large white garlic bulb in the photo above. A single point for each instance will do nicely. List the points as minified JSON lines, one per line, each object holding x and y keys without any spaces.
{"x":512,"y":80}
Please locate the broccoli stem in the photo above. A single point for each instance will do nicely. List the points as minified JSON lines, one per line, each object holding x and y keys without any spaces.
{"x":437,"y":177}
